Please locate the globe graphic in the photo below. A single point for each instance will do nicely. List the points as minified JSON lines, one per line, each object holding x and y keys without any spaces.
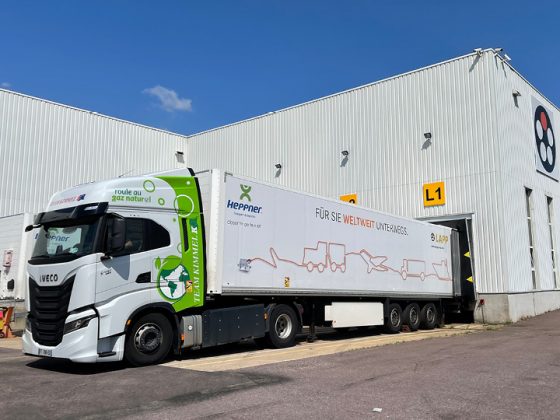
{"x":173,"y":283}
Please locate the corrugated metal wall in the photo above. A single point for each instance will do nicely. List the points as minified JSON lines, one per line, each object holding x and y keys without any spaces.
{"x":382,"y":125}
{"x":516,"y":154}
{"x":45,"y":147}
{"x":13,"y":238}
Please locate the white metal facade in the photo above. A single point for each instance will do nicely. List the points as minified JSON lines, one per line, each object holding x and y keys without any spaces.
{"x":14,"y":239}
{"x":482,"y":146}
{"x":46,"y":147}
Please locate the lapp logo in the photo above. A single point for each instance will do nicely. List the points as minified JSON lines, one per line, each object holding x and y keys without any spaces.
{"x":245,"y":190}
{"x":81,"y":197}
{"x":48,"y":278}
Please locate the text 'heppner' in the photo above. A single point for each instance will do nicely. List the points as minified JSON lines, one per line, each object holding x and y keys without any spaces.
{"x":243,"y":207}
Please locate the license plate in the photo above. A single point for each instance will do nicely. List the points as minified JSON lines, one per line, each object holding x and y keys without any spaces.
{"x":44,"y":352}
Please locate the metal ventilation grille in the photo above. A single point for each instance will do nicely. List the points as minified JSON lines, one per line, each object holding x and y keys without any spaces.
{"x":49,"y":308}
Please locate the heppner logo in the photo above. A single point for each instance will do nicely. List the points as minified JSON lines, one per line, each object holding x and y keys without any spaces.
{"x":236,"y":205}
{"x":245,"y":190}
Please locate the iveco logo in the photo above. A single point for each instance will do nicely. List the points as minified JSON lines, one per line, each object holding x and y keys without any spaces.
{"x":48,"y":278}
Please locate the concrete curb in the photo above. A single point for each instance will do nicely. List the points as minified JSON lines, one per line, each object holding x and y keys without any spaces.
{"x":305,"y":350}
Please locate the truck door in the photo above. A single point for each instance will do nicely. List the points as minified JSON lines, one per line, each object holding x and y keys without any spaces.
{"x":130,"y":269}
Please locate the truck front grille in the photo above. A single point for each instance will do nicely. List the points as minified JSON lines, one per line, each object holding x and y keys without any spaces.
{"x":49,"y":308}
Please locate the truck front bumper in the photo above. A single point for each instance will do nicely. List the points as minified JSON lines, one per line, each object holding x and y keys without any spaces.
{"x":81,"y":345}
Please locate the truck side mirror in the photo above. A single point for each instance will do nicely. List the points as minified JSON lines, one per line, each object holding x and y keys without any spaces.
{"x":118,"y":231}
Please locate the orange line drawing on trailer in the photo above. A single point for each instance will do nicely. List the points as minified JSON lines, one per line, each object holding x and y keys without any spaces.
{"x":321,"y":257}
{"x":442,"y":270}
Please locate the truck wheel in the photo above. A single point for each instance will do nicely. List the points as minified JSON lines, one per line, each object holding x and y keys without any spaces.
{"x":411,"y":316}
{"x":428,"y":316}
{"x":393,"y":323}
{"x":149,"y":340}
{"x":283,"y":327}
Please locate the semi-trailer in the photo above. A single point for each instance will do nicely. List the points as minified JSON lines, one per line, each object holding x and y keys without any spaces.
{"x":138,"y":267}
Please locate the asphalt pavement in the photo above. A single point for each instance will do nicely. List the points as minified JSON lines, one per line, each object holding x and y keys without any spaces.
{"x":512,"y":372}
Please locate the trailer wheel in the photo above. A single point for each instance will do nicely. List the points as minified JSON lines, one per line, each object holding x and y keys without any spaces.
{"x":428,"y":316}
{"x":393,"y":323}
{"x":149,"y":340}
{"x":411,"y":316}
{"x":284,"y":326}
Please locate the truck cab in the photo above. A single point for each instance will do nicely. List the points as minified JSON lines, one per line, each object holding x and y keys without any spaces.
{"x":107,"y":252}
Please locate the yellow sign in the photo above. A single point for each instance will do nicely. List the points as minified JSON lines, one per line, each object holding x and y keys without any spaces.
{"x":350,"y":198}
{"x":434,"y":194}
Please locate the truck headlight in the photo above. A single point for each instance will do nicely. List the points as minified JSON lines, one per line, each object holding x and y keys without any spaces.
{"x":77,"y":324}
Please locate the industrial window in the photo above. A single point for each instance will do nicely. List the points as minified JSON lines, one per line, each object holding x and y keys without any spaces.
{"x":550,"y":214}
{"x":529,"y":204}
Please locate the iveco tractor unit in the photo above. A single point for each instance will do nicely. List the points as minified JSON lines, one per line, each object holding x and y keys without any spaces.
{"x":139,"y":267}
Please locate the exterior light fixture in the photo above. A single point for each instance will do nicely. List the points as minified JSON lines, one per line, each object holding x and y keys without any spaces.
{"x":179,"y":153}
{"x":516,"y":93}
{"x":278,"y":166}
{"x":428,"y":136}
{"x":345,"y":153}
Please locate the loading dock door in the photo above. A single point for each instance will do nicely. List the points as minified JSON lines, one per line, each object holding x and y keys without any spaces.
{"x":463,"y":225}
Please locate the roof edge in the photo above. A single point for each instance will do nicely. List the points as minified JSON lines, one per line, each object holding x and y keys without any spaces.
{"x":342,"y":92}
{"x":24,"y":95}
{"x":507,"y":63}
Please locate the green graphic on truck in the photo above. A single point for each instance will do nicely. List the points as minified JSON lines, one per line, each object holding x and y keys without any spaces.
{"x":180,"y":278}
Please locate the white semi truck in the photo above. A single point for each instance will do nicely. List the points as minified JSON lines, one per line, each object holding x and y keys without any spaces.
{"x":138,"y":267}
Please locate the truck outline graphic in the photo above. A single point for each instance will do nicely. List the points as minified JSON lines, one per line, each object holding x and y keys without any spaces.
{"x":320,"y":258}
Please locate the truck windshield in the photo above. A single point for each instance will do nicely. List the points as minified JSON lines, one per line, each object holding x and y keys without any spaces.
{"x":59,"y":242}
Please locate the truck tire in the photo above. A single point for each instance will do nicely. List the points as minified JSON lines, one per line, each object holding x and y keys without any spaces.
{"x":283,"y":327}
{"x":393,"y":323}
{"x":149,"y":340}
{"x":411,"y":316}
{"x":428,"y":316}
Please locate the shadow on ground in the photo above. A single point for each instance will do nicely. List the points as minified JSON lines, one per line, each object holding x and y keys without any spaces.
{"x":66,"y":366}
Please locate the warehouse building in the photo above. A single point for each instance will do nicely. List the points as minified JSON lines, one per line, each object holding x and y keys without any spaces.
{"x":46,"y":147}
{"x":468,"y":143}
{"x":471,"y":127}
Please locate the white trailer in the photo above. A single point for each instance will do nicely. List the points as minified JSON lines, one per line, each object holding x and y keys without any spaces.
{"x":135,"y":267}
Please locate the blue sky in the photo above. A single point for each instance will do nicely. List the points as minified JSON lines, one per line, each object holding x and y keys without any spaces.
{"x":189,"y":66}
